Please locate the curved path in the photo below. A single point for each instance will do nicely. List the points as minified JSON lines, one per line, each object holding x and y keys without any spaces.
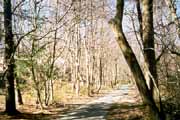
{"x":97,"y":109}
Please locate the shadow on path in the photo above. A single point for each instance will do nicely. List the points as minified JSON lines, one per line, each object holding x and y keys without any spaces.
{"x":127,"y":111}
{"x":98,"y":109}
{"x":88,"y":112}
{"x":95,"y":110}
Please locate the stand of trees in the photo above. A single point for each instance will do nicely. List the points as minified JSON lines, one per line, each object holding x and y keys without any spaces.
{"x":47,"y":43}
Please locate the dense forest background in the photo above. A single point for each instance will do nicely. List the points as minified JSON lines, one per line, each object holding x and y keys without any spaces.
{"x":52,"y":51}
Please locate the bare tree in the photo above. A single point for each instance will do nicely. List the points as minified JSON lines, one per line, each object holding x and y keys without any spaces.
{"x":9,"y":59}
{"x":130,"y":57}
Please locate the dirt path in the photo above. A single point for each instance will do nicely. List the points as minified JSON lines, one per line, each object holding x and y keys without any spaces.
{"x":97,"y":109}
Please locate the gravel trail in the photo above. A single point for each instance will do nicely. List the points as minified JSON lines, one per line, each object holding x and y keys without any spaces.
{"x":97,"y":109}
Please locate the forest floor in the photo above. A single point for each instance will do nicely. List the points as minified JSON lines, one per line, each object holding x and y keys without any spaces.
{"x":107,"y":107}
{"x":112,"y":105}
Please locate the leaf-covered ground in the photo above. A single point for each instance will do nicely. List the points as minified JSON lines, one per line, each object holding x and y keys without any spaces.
{"x":29,"y":111}
{"x":119,"y":104}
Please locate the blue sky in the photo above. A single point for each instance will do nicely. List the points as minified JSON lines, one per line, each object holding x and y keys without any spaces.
{"x":178,"y":7}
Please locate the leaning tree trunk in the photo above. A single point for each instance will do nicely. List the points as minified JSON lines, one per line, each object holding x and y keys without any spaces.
{"x":9,"y":59}
{"x":131,"y":60}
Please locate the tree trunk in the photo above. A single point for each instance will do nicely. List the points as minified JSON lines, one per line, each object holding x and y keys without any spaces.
{"x":19,"y":95}
{"x":9,"y":59}
{"x":148,"y":41}
{"x":38,"y":92}
{"x":131,"y":60}
{"x":138,"y":6}
{"x":149,"y":49}
{"x":100,"y":76}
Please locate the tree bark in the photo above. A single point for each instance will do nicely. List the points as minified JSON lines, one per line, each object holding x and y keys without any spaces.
{"x":148,"y":42}
{"x":9,"y":60}
{"x":138,"y":6}
{"x":131,"y":60}
{"x":19,"y":95}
